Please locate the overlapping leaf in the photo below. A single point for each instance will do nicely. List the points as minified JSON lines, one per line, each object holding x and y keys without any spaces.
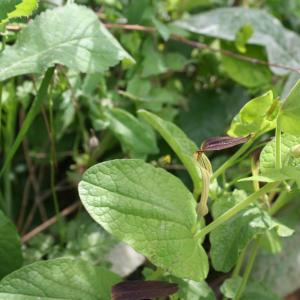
{"x":136,"y":137}
{"x":179,"y":142}
{"x":149,"y":209}
{"x":281,"y":45}
{"x":81,"y":43}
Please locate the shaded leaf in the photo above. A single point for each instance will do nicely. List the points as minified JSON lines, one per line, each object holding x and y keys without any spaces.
{"x":281,"y":45}
{"x":136,"y":137}
{"x":10,"y":247}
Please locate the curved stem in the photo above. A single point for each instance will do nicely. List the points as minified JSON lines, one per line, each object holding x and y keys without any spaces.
{"x":235,"y":209}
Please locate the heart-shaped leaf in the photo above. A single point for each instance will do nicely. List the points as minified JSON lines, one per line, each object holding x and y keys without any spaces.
{"x":149,"y":209}
{"x":81,"y":43}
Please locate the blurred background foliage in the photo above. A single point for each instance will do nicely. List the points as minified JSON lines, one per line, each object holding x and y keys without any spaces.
{"x":200,"y":86}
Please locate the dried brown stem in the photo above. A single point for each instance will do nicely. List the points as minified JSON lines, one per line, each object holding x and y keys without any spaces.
{"x":65,"y":212}
{"x":200,"y":45}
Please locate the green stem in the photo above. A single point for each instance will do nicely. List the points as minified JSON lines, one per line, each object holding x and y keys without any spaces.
{"x":283,"y":199}
{"x":235,"y":209}
{"x":233,"y":158}
{"x":52,"y":170}
{"x":239,"y":264}
{"x":34,"y":109}
{"x":278,"y":145}
{"x":248,"y":270}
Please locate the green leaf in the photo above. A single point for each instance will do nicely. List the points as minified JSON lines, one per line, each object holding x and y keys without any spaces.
{"x":22,"y":8}
{"x":180,"y":143}
{"x":254,"y":290}
{"x":281,"y":272}
{"x":149,"y":209}
{"x":242,"y":37}
{"x":267,"y":156}
{"x":281,"y":44}
{"x":136,"y":137}
{"x":10,"y":247}
{"x":58,"y":279}
{"x":246,"y":73}
{"x":56,"y":37}
{"x":257,"y":115}
{"x":290,"y":111}
{"x":7,"y":6}
{"x":228,"y":240}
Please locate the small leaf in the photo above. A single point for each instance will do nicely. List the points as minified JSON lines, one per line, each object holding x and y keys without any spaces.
{"x":56,"y":37}
{"x":10,"y":247}
{"x":256,"y":116}
{"x":242,"y":37}
{"x":149,"y":209}
{"x":139,"y":290}
{"x":290,"y":111}
{"x":24,"y":8}
{"x":136,"y":137}
{"x":179,"y":142}
{"x":62,"y":278}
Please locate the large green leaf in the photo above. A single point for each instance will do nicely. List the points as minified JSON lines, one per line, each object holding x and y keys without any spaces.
{"x":290,"y":111}
{"x":136,"y":137}
{"x":180,"y":143}
{"x":81,"y":43}
{"x":16,"y":8}
{"x":10,"y":247}
{"x":257,"y":115}
{"x":149,"y":209}
{"x":58,"y":279}
{"x":267,"y":156}
{"x":281,"y":45}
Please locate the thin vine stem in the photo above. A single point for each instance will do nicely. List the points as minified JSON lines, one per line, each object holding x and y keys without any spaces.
{"x":52,"y":169}
{"x":235,"y":209}
{"x":34,"y":109}
{"x":278,"y":163}
{"x":248,"y":269}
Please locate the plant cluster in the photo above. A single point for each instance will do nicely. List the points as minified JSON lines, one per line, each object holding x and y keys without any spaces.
{"x":144,"y":106}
